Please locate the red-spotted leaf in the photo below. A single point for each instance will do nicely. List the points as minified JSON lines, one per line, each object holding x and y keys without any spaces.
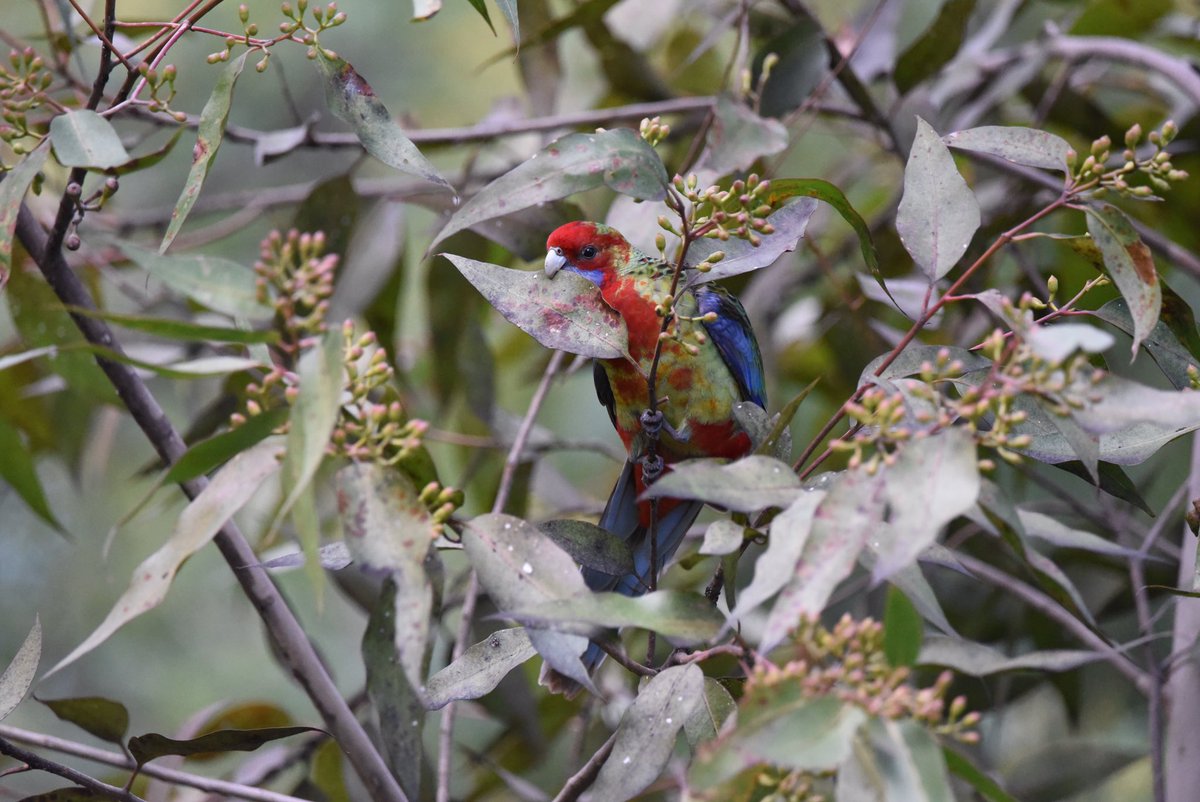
{"x":213,"y":117}
{"x":1129,"y":265}
{"x":104,"y":718}
{"x":618,"y":159}
{"x":938,"y":214}
{"x":1014,"y":143}
{"x":351,"y":98}
{"x":82,"y":138}
{"x":18,"y":676}
{"x":565,"y":313}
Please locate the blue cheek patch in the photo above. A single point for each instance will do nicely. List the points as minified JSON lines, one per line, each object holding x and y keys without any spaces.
{"x":594,"y":276}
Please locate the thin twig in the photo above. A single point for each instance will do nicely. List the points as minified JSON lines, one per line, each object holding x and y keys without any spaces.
{"x":106,"y":39}
{"x":66,"y":772}
{"x":1055,"y":611}
{"x":285,"y":631}
{"x":122,"y":761}
{"x":581,"y":780}
{"x":511,"y":463}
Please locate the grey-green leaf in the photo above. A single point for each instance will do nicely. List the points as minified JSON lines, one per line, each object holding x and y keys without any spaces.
{"x":12,"y":195}
{"x":618,"y":159}
{"x":591,"y":546}
{"x":1130,"y":266}
{"x":1014,"y":143}
{"x":775,"y":567}
{"x":480,"y":668}
{"x":905,"y":760}
{"x":746,"y":485}
{"x":219,"y":284}
{"x":82,"y":138}
{"x":715,"y":707}
{"x":978,"y":660}
{"x":565,"y":313}
{"x":351,"y":98}
{"x":646,"y":735}
{"x":686,"y":618}
{"x":723,"y":536}
{"x":938,"y":214}
{"x":18,"y":676}
{"x":739,"y":137}
{"x":211,"y":132}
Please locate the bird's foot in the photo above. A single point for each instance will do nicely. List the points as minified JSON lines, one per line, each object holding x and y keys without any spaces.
{"x":652,"y":468}
{"x":654,"y":423}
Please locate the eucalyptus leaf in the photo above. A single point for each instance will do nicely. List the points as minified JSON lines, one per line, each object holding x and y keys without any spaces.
{"x":1130,"y":265}
{"x":82,"y":138}
{"x":12,"y":194}
{"x":1027,"y":146}
{"x":790,"y":223}
{"x":480,"y":668}
{"x":18,"y":675}
{"x":746,"y":485}
{"x":591,"y":546}
{"x":978,"y":660}
{"x":686,"y":618}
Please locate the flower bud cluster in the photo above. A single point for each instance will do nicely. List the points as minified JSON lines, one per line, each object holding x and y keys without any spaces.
{"x":161,"y":84}
{"x":654,"y":130}
{"x":294,"y":271}
{"x":323,"y":19}
{"x":22,"y":91}
{"x":1155,"y":167}
{"x":740,"y":211}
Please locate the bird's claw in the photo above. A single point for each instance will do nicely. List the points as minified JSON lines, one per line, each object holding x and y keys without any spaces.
{"x":652,"y":421}
{"x":652,"y":468}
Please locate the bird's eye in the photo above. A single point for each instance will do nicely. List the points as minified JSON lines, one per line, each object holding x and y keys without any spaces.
{"x":587,"y":252}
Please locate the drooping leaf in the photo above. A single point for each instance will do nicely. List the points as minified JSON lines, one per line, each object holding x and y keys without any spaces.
{"x":352,"y":100}
{"x":739,"y":137}
{"x":20,"y":472}
{"x":905,"y":760}
{"x":852,"y":511}
{"x":790,"y":223}
{"x":211,"y":132}
{"x":480,"y":668}
{"x":386,"y":525}
{"x":646,"y":736}
{"x":618,"y":159}
{"x":933,"y":480}
{"x":723,"y":536}
{"x":18,"y":676}
{"x":219,"y":284}
{"x":938,"y":214}
{"x":710,"y":715}
{"x":103,"y":718}
{"x":481,"y":8}
{"x":181,"y":329}
{"x":776,"y":566}
{"x":686,"y":618}
{"x":82,"y":138}
{"x":230,"y":489}
{"x":1028,"y":146}
{"x":746,"y":485}
{"x":1055,"y":532}
{"x":509,"y":9}
{"x":1168,"y":351}
{"x":12,"y":194}
{"x":202,"y":457}
{"x":781,"y":726}
{"x":565,"y":313}
{"x":519,"y":567}
{"x":978,"y":660}
{"x":590,"y":546}
{"x":829,"y":194}
{"x":964,"y":769}
{"x":152,"y":745}
{"x":1129,"y":264}
{"x":935,"y":47}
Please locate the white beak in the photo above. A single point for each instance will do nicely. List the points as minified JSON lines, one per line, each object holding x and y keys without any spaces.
{"x":555,"y":261}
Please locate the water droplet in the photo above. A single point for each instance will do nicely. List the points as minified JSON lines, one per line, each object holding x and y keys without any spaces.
{"x":456,"y":200}
{"x":527,"y":568}
{"x":627,"y":760}
{"x":508,"y":526}
{"x":668,"y":720}
{"x":414,"y":723}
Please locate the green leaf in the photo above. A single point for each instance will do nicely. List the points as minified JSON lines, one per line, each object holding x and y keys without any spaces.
{"x":738,"y":137}
{"x":509,"y":9}
{"x":779,"y":725}
{"x":1056,"y":533}
{"x":103,"y":718}
{"x":829,"y":194}
{"x":1028,"y":146}
{"x":82,"y":138}
{"x":147,"y":160}
{"x":723,"y":536}
{"x":352,"y":100}
{"x":978,"y":660}
{"x":1113,"y":480}
{"x":852,"y":511}
{"x":181,"y":329}
{"x":962,"y":767}
{"x":645,"y":738}
{"x":776,"y":566}
{"x":935,"y":47}
{"x":12,"y":193}
{"x":933,"y":480}
{"x":1167,"y":350}
{"x":790,"y":222}
{"x":715,"y":708}
{"x":481,"y":8}
{"x":219,"y":284}
{"x":687,"y":618}
{"x":20,"y":472}
{"x":202,"y":457}
{"x":520,"y":567}
{"x":18,"y":676}
{"x":230,"y":489}
{"x":904,"y":760}
{"x":480,"y":668}
{"x":803,"y":63}
{"x":151,"y":746}
{"x":213,"y":117}
{"x":565,"y":313}
{"x":590,"y":546}
{"x":618,"y":159}
{"x":1129,"y":264}
{"x":938,"y":214}
{"x":902,"y":629}
{"x":749,"y":484}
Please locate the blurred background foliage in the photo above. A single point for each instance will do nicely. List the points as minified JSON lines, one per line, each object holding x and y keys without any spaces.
{"x":959,"y":63}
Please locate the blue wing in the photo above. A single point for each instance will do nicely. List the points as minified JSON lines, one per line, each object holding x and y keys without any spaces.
{"x":734,"y":338}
